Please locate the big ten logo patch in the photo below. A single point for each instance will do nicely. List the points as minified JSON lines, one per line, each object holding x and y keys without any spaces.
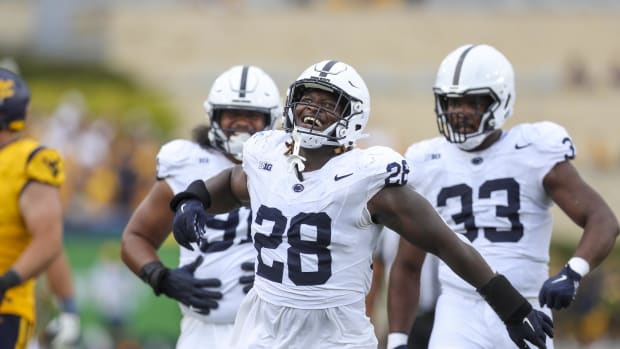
{"x":262,"y":165}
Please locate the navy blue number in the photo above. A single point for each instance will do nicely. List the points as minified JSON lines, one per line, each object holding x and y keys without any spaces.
{"x":466,"y":216}
{"x":229,"y":226}
{"x":571,"y":147}
{"x":464,"y":192}
{"x":398,"y":174}
{"x":511,"y":211}
{"x":248,"y":232}
{"x":275,"y":272}
{"x":320,"y":221}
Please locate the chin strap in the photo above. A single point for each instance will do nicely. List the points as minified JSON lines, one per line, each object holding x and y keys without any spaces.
{"x":296,"y":161}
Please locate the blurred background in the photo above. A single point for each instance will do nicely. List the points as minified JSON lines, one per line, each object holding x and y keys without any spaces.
{"x":113,"y":80}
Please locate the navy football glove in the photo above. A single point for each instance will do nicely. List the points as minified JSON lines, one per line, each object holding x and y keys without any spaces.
{"x":189,"y":221}
{"x":522,"y":322}
{"x":534,"y":328}
{"x":180,"y":284}
{"x":559,"y":291}
{"x":248,"y":278}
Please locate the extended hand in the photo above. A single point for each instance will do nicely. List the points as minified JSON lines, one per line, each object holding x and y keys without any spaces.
{"x":189,"y":222}
{"x":181,"y":285}
{"x":559,"y":291}
{"x":248,"y":278}
{"x":534,"y":328}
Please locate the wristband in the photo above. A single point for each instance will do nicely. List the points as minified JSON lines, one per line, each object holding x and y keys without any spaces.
{"x":197,"y":190}
{"x":152,"y":273}
{"x":396,"y":339}
{"x":507,"y":302}
{"x":579,"y":266}
{"x":68,"y":305}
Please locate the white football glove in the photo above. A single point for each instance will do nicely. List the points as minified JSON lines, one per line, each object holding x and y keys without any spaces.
{"x":63,"y":331}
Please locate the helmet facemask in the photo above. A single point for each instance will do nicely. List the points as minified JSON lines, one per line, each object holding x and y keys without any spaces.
{"x":343,"y":110}
{"x":231,"y":140}
{"x":461,"y":128}
{"x":241,"y":88}
{"x":468,"y":71}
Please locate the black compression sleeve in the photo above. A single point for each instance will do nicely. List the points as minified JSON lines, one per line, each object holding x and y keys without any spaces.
{"x":507,"y":302}
{"x":152,"y":273}
{"x":197,"y":191}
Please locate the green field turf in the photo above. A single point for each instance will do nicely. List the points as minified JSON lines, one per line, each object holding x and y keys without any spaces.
{"x":153,"y":317}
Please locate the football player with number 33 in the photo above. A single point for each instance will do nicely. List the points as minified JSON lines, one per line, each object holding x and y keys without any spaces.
{"x":216,"y":274}
{"x":318,"y":206}
{"x":495,"y":187}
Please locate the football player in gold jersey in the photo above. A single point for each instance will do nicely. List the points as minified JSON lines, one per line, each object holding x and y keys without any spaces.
{"x":30,"y":213}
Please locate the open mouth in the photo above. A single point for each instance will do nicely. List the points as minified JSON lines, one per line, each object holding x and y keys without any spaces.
{"x":312,"y":122}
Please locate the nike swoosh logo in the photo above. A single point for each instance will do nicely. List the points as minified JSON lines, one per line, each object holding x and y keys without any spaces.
{"x":517,"y":146}
{"x":560,"y":279}
{"x":337,"y":178}
{"x":527,"y":321}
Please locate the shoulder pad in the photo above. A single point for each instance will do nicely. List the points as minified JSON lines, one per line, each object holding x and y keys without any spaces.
{"x":174,"y":155}
{"x":550,"y":138}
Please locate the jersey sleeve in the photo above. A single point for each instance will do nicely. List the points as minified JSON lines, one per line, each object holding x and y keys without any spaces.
{"x":384,"y":168}
{"x":553,"y":145}
{"x":45,"y":165}
{"x":170,"y":158}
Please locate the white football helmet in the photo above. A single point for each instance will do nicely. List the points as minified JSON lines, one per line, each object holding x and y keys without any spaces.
{"x":350,"y":90}
{"x":246,"y":88}
{"x":474,"y":70}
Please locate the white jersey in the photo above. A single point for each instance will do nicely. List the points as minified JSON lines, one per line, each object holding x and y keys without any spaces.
{"x":179,"y":163}
{"x":495,"y":198}
{"x":315,"y":237}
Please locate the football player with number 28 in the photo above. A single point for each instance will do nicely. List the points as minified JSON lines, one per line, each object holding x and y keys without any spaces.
{"x":214,"y":275}
{"x":495,"y":187}
{"x":318,"y":206}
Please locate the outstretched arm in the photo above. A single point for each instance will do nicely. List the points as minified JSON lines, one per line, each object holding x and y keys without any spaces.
{"x":412,"y":216}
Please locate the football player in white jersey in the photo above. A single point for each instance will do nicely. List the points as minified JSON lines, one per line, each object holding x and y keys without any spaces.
{"x":495,"y":187}
{"x":242,"y":101}
{"x":318,"y":205}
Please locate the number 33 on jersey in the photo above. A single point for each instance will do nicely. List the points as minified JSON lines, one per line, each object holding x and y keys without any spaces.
{"x":506,"y":203}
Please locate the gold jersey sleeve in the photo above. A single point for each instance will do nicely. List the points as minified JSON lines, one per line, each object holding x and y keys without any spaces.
{"x":46,"y":165}
{"x":22,"y":162}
